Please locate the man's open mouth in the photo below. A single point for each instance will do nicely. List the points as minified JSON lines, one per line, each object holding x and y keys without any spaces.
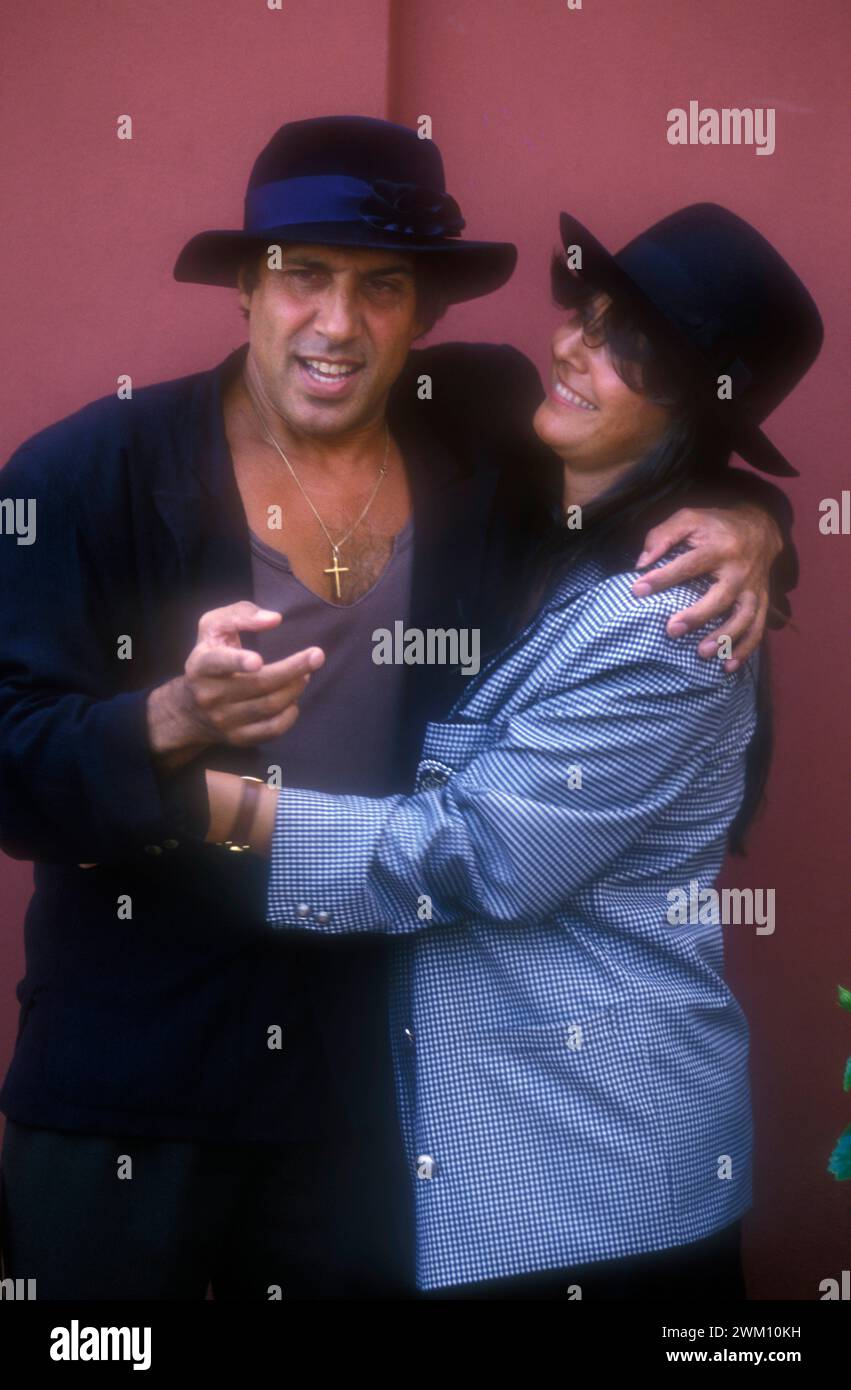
{"x":326,"y":370}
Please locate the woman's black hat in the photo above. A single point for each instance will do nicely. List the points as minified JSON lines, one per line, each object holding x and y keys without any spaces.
{"x":352,"y":181}
{"x":715,"y":296}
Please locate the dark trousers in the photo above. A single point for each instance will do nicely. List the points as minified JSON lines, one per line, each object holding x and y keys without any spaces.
{"x":707,"y":1270}
{"x":315,"y":1220}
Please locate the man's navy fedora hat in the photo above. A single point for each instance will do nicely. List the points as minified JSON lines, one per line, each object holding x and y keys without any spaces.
{"x":352,"y":181}
{"x":709,"y":289}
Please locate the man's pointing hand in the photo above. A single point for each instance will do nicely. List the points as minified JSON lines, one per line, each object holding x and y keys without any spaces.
{"x":226,"y":693}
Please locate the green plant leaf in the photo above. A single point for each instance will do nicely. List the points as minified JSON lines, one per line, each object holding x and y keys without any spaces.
{"x":846,"y":1084}
{"x":844,"y":997}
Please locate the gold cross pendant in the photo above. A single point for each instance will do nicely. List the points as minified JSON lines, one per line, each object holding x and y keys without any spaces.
{"x":337,"y":569}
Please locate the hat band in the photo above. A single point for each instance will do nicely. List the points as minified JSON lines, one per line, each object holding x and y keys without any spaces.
{"x":404,"y":208}
{"x":320,"y":198}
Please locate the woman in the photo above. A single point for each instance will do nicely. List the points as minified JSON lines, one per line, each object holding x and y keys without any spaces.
{"x":571,"y":1067}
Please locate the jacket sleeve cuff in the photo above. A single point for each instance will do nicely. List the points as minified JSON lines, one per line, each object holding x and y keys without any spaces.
{"x":149,"y":806}
{"x":323,"y":853}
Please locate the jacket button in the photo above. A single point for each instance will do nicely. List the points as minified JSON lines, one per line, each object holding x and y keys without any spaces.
{"x":303,"y":910}
{"x":323,"y":918}
{"x":425,"y":1166}
{"x":153,"y":849}
{"x":435,"y":777}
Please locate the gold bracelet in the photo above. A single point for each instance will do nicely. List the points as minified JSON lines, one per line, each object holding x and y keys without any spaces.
{"x":244,"y":819}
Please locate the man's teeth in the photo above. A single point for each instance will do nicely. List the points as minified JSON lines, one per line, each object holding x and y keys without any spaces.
{"x":328,"y":369}
{"x":567,"y":395}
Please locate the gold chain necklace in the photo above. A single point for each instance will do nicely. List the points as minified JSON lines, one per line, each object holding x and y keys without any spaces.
{"x":335,"y":569}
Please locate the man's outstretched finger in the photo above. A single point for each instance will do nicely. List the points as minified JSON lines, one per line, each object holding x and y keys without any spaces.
{"x":750,"y":639}
{"x":677,"y":571}
{"x":248,"y":669}
{"x":716,"y":603}
{"x":223,"y":625}
{"x":665,"y":536}
{"x":735,"y":625}
{"x":206,"y":662}
{"x":279,"y":673}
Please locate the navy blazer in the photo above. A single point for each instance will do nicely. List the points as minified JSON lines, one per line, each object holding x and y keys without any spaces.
{"x":157,"y":1023}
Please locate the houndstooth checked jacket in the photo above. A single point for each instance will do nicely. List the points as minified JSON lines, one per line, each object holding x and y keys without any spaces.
{"x":571,"y":1070}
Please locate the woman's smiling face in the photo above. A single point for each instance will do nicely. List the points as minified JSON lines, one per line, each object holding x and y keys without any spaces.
{"x":592,"y":419}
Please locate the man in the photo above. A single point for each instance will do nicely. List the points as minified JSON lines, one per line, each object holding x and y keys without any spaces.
{"x":192,"y":1101}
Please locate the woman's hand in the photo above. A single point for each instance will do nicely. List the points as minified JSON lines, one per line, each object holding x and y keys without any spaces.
{"x":738,"y":546}
{"x":226,"y":793}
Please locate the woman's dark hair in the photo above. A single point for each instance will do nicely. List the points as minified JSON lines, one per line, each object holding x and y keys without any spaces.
{"x":678,"y":471}
{"x":432,"y":301}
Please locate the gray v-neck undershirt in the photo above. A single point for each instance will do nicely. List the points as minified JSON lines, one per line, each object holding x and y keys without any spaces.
{"x":345,"y":738}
